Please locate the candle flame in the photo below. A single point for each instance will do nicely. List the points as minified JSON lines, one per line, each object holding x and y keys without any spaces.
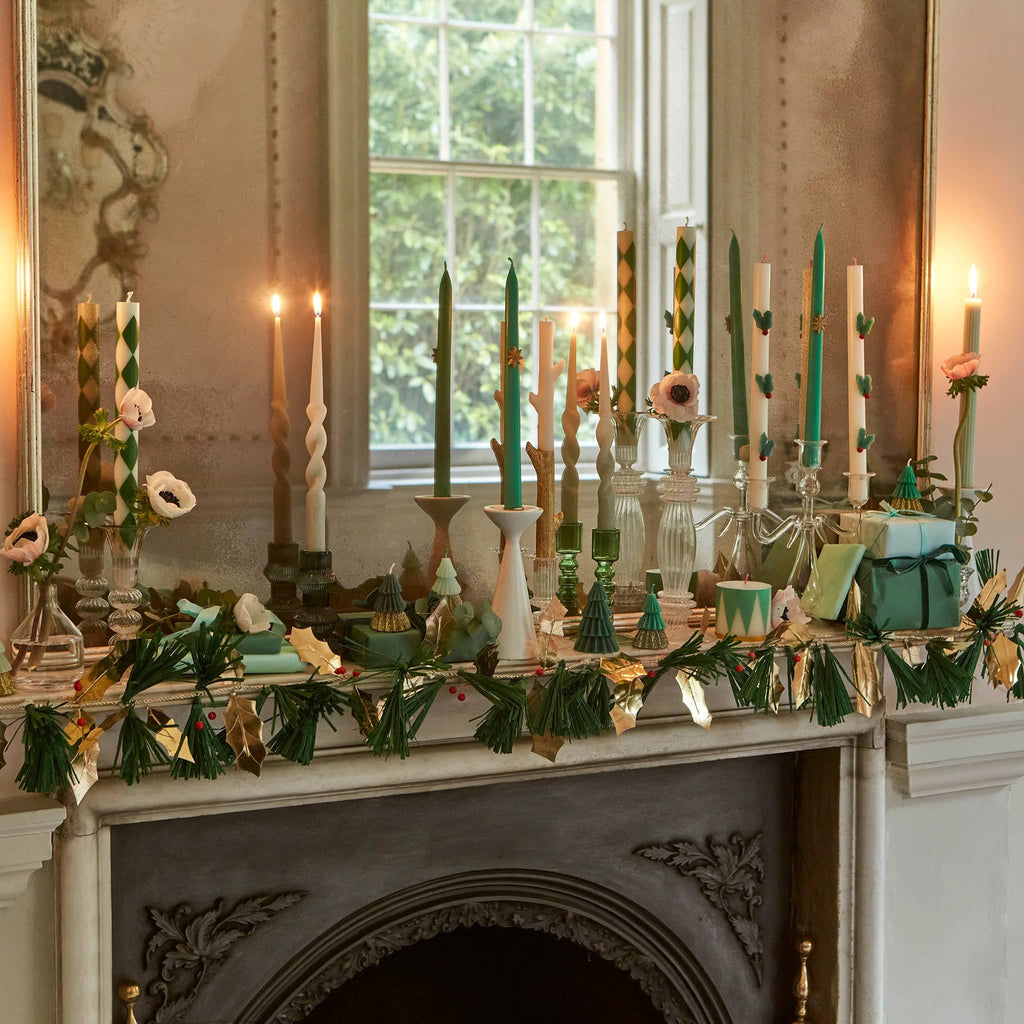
{"x":972,"y":281}
{"x":604,"y":321}
{"x":574,"y":320}
{"x":317,"y":306}
{"x":275,"y":304}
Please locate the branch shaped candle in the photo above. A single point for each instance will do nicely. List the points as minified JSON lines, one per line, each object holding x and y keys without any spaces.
{"x":543,"y":456}
{"x":126,"y":461}
{"x":761,"y":386}
{"x":972,"y":343}
{"x":570,"y":446}
{"x":443,"y":390}
{"x":605,"y":437}
{"x":280,"y":431}
{"x":316,"y":442}
{"x":740,"y":428}
{"x":858,"y":385}
{"x":626,"y":321}
{"x":88,"y":383}
{"x":805,"y":343}
{"x":683,"y":304}
{"x":511,"y":442}
{"x":812,"y":424}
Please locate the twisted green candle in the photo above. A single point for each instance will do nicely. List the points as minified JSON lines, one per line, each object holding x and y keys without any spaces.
{"x":510,"y":408}
{"x":443,"y":390}
{"x":740,"y":428}
{"x":812,"y":420}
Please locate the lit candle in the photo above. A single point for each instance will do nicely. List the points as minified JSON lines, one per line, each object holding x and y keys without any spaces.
{"x":280,"y":428}
{"x":683,"y":299}
{"x":126,"y":358}
{"x":972,"y":343}
{"x":816,"y":333}
{"x":856,"y":406}
{"x":544,"y":399}
{"x":605,"y":436}
{"x":570,"y":446}
{"x":443,"y":390}
{"x":513,"y":497}
{"x":88,"y":382}
{"x":740,"y":427}
{"x":760,"y":377}
{"x":626,"y":318}
{"x":316,"y":444}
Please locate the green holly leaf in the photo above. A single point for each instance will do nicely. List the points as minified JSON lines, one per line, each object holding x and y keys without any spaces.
{"x":763,"y":321}
{"x":864,"y":384}
{"x":766,"y":446}
{"x":864,"y":324}
{"x":798,"y":378}
{"x":864,"y":439}
{"x":668,"y":319}
{"x":765,"y":384}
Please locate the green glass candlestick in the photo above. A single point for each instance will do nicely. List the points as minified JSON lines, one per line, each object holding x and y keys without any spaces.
{"x":568,"y":544}
{"x":604,"y":548}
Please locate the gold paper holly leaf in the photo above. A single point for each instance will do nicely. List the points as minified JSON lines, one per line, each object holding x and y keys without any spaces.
{"x":721,"y":569}
{"x":796,"y":634}
{"x":1002,"y":661}
{"x":86,"y":767}
{"x":99,"y":678}
{"x":853,"y":603}
{"x":551,"y":618}
{"x":314,"y":652}
{"x":705,"y":618}
{"x":777,"y":687}
{"x":168,"y":735}
{"x":93,"y":734}
{"x":244,"y":734}
{"x":627,"y":703}
{"x":912,"y":654}
{"x":74,"y":731}
{"x":995,"y":586}
{"x":364,"y":711}
{"x":1015,"y":595}
{"x":866,"y":679}
{"x":693,"y":698}
{"x":547,"y":745}
{"x":439,"y":626}
{"x":622,"y":669}
{"x":6,"y":684}
{"x":799,"y":685}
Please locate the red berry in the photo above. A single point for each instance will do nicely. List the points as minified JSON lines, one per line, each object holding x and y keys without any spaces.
{"x":540,"y":672}
{"x":861,"y":336}
{"x":859,"y":449}
{"x":739,"y":668}
{"x":796,"y":657}
{"x":200,"y":726}
{"x":212,"y":715}
{"x":453,"y":689}
{"x":651,"y":673}
{"x":78,"y":686}
{"x":763,"y":331}
{"x":763,"y":458}
{"x":988,"y":643}
{"x":462,"y":696}
{"x":751,"y":655}
{"x":356,"y":673}
{"x":1019,"y":613}
{"x":80,"y":722}
{"x":868,"y":395}
{"x":768,"y":395}
{"x":340,"y":670}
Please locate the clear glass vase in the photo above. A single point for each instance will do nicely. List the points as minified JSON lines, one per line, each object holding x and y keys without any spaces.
{"x":125,"y":544}
{"x":47,"y":650}
{"x":677,"y":535}
{"x":92,"y":586}
{"x":628,"y":486}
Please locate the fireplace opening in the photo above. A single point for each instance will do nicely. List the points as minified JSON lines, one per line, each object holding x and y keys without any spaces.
{"x":497,"y":975}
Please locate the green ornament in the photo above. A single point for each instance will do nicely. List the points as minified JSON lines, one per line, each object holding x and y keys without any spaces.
{"x":597,"y":632}
{"x":650,"y":630}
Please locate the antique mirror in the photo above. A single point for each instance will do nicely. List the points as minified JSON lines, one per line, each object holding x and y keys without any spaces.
{"x":205,"y":156}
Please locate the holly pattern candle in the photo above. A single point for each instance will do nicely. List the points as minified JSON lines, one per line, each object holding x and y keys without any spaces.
{"x":280,"y":431}
{"x":683,"y":299}
{"x":857,"y":385}
{"x":126,"y":359}
{"x":740,"y":427}
{"x":816,"y":333}
{"x":88,"y":382}
{"x":761,"y":385}
{"x":626,"y":320}
{"x":443,"y":390}
{"x":513,"y":496}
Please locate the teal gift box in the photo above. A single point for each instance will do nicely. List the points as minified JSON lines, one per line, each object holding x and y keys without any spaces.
{"x":913,"y":593}
{"x":896,"y":534}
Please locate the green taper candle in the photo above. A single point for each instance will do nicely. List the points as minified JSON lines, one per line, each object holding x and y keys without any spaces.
{"x":812,"y":419}
{"x":510,"y":409}
{"x":443,"y":390}
{"x":740,"y":429}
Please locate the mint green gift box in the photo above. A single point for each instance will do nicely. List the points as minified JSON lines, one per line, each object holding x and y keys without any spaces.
{"x":889,"y":533}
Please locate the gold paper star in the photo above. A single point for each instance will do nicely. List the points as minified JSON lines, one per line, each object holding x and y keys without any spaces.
{"x":819,"y":323}
{"x":514,"y":357}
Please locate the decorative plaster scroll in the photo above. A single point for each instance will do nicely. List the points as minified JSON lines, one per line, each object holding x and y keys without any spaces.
{"x":730,"y":875}
{"x":191,"y":948}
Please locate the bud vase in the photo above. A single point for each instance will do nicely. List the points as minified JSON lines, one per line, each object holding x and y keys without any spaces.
{"x":628,"y":486}
{"x":47,"y":653}
{"x":677,"y":535}
{"x":92,"y":607}
{"x":125,"y":544}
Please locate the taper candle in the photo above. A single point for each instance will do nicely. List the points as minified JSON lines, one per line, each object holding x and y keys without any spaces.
{"x":513,"y":497}
{"x":626,"y":320}
{"x":547,"y":373}
{"x":570,"y":446}
{"x":740,"y":427}
{"x":972,"y":343}
{"x":126,"y":358}
{"x":805,"y":343}
{"x":88,"y":383}
{"x":316,"y":443}
{"x":280,"y":431}
{"x":855,"y":405}
{"x":816,"y":333}
{"x":683,"y":298}
{"x":605,"y":434}
{"x":443,"y":390}
{"x":760,"y":381}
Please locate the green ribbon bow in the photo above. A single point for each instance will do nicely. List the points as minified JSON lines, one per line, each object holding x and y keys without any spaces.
{"x":900,"y":565}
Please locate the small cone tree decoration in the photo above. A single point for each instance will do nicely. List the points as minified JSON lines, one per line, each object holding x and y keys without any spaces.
{"x":597,"y":632}
{"x":907,"y":496}
{"x":446,"y":583}
{"x":389,"y":608}
{"x":650,"y":630}
{"x":413,"y":579}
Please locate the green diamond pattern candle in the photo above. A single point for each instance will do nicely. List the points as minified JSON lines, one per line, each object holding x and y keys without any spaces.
{"x":626,"y":316}
{"x":88,"y":382}
{"x":683,"y":299}
{"x":126,"y":358}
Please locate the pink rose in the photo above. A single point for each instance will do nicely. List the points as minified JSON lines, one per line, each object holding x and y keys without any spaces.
{"x":675,"y":396}
{"x":28,"y":540}
{"x":587,"y":388}
{"x":965,"y":364}
{"x":136,"y":409}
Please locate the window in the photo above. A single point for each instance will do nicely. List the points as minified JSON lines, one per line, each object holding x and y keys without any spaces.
{"x":494,"y":132}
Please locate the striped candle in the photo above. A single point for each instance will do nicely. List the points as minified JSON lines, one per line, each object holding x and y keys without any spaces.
{"x":88,"y":383}
{"x":626,"y":315}
{"x":126,"y":461}
{"x":683,"y":299}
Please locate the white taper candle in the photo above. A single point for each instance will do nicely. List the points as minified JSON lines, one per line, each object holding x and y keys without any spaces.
{"x":856,"y":406}
{"x":316,"y":443}
{"x":759,"y":365}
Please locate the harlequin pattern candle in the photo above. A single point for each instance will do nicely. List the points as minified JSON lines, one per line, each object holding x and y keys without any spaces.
{"x":683,"y":298}
{"x":126,"y":359}
{"x":88,"y":382}
{"x":743,"y":609}
{"x":626,"y":320}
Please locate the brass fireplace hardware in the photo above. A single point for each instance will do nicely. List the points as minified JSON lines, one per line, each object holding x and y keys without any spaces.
{"x":801,"y":988}
{"x":129,"y":993}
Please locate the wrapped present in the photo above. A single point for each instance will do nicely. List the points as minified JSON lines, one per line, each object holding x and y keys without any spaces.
{"x":831,"y":580}
{"x":913,"y":593}
{"x":891,"y":533}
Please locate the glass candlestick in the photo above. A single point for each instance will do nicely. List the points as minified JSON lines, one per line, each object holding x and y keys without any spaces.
{"x":628,"y":486}
{"x":604,"y":549}
{"x":314,"y":581}
{"x":803,"y":578}
{"x":125,"y":597}
{"x":282,"y":570}
{"x":859,"y":489}
{"x":569,"y":544}
{"x":92,"y":586}
{"x":740,"y":549}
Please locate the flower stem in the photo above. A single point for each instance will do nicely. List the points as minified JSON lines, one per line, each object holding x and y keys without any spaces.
{"x":957,"y":443}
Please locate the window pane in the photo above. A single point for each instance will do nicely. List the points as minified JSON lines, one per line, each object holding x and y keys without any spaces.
{"x":578,"y":243}
{"x":402,"y":376}
{"x":404,"y":91}
{"x":407,"y":237}
{"x":493,"y":12}
{"x":486,"y":76}
{"x":577,"y":14}
{"x":407,"y":8}
{"x":492,"y":222}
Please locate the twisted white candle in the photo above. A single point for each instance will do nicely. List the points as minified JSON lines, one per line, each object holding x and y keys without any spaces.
{"x":605,"y":436}
{"x":316,"y":444}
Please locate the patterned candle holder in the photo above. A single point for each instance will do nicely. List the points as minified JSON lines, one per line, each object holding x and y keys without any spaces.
{"x":628,"y":486}
{"x":282,"y":570}
{"x":604,"y":549}
{"x":569,"y":544}
{"x":518,"y":638}
{"x":92,"y":586}
{"x":125,"y":543}
{"x":859,"y":489}
{"x":314,"y":580}
{"x":442,"y":510}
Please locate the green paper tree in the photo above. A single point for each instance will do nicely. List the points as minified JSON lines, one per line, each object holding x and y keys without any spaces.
{"x":597,"y":632}
{"x":906,"y":495}
{"x":650,"y":630}
{"x":446,"y":583}
{"x":389,"y":606}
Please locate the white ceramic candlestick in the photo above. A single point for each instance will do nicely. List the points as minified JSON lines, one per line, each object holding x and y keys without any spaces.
{"x":126,"y":461}
{"x":518,"y":638}
{"x":759,"y":365}
{"x":856,"y":406}
{"x":316,"y":445}
{"x":605,"y":437}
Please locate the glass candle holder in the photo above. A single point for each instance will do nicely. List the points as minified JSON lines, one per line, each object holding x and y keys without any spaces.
{"x":569,"y":544}
{"x":628,"y":487}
